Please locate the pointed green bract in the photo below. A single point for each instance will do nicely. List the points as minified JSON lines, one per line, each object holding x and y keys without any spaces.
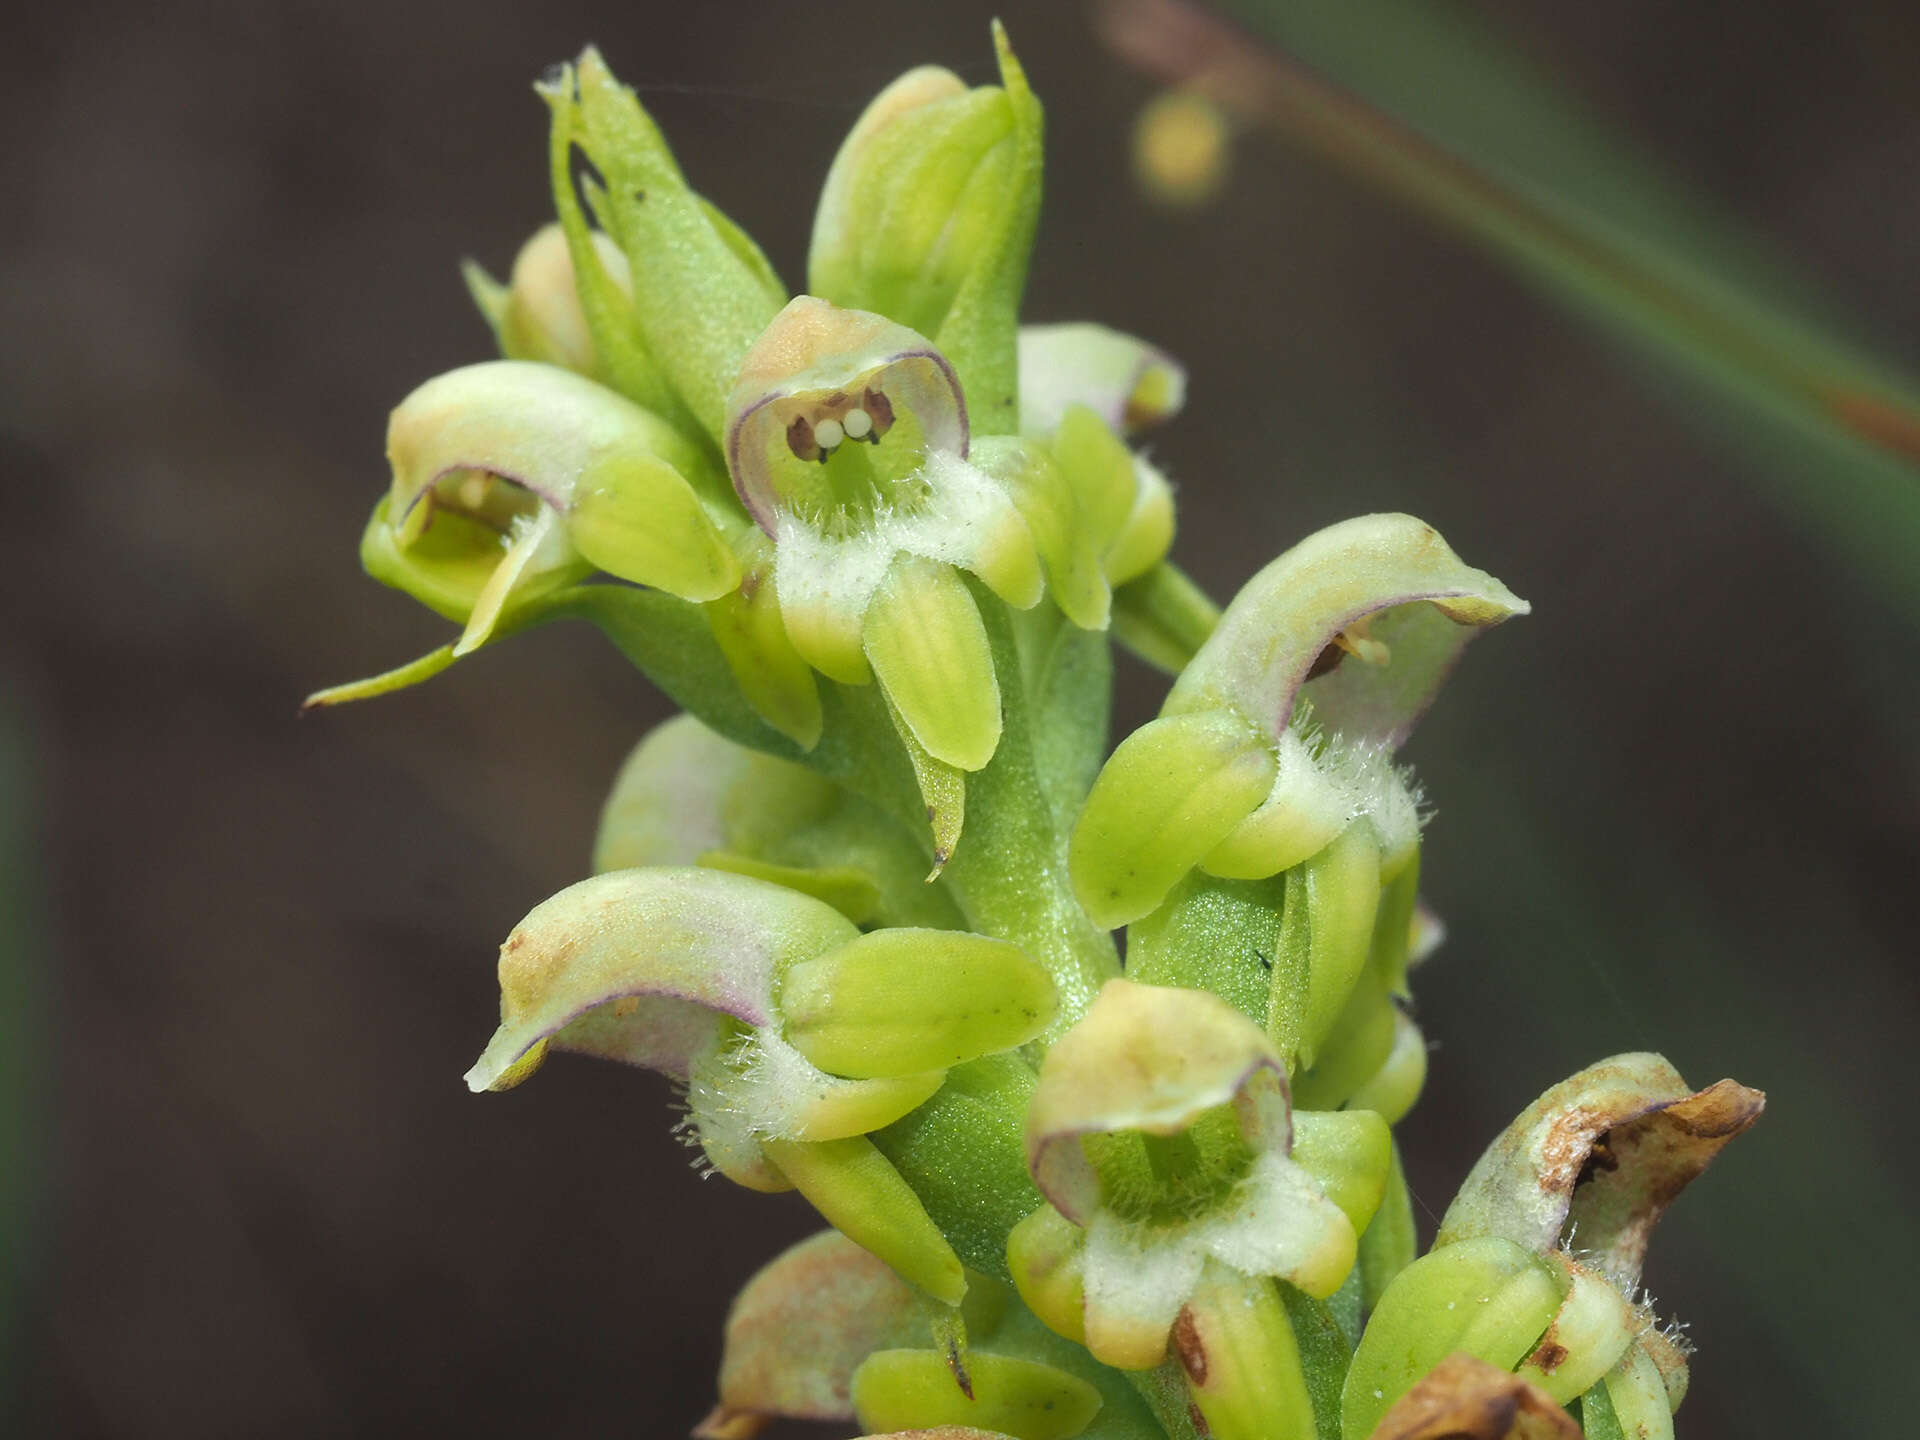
{"x":697,"y":303}
{"x":859,"y":1192}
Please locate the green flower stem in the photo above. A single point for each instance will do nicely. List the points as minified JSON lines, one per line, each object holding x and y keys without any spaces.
{"x":1010,"y":870}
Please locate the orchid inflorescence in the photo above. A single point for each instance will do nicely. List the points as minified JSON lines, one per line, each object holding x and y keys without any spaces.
{"x":859,"y":900}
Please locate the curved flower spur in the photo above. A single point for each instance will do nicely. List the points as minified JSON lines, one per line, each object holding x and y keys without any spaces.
{"x":876,"y":540}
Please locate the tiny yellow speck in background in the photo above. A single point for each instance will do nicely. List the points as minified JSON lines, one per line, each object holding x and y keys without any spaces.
{"x":1182,"y":148}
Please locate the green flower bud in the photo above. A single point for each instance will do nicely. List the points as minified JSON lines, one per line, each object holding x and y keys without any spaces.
{"x":1487,"y":1298}
{"x":798,"y":1330}
{"x":685,"y":796}
{"x":1127,"y":383}
{"x":537,"y":315}
{"x":928,"y":215}
{"x":534,"y":476}
{"x":1025,"y":1399}
{"x":900,"y":1001}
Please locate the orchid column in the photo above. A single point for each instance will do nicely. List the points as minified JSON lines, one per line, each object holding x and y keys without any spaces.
{"x":877,"y":540}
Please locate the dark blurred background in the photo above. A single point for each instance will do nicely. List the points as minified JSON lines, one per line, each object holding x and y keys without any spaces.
{"x":247,"y":957}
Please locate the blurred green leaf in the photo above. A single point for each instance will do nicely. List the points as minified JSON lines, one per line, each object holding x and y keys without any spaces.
{"x":1424,"y":103}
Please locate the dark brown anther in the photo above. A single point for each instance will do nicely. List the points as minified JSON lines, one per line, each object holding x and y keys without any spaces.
{"x":800,"y":439}
{"x":880,"y":410}
{"x":1325,"y":661}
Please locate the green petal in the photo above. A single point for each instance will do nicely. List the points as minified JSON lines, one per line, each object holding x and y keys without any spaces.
{"x":1173,"y":791}
{"x":904,"y":1000}
{"x":928,"y":648}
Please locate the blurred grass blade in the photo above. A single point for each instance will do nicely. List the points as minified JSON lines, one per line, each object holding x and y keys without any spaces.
{"x":22,"y":1027}
{"x":1420,"y":102}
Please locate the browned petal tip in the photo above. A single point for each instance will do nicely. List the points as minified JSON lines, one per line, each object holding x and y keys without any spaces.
{"x":1467,"y":1399}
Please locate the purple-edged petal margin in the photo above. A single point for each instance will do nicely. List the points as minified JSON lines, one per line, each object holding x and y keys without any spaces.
{"x":815,"y":363}
{"x":646,"y":966}
{"x":1384,"y":587}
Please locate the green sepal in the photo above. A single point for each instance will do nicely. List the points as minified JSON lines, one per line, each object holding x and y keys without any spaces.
{"x":1638,"y":1397}
{"x":747,"y":625}
{"x":897,"y":1390}
{"x":1040,"y":492}
{"x":1354,"y":1050}
{"x":856,"y":1188}
{"x":1392,"y":1090}
{"x":641,"y":521}
{"x":1597,"y":1418}
{"x":899,"y":1001}
{"x":1349,"y":1153}
{"x":1171,"y":792}
{"x":698,"y":305}
{"x":1098,"y":469}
